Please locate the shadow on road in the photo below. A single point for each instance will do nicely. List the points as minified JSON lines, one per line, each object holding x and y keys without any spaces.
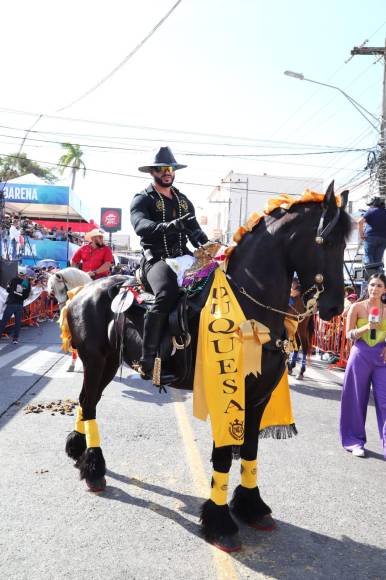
{"x":190,"y":504}
{"x":287,"y":553}
{"x":293,"y":552}
{"x":322,"y":392}
{"x":374,"y":455}
{"x":146,"y":392}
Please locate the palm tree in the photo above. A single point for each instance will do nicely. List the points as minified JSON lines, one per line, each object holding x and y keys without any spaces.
{"x":72,"y":158}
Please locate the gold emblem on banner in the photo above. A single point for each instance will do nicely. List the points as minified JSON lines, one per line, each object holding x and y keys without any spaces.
{"x":236,"y":429}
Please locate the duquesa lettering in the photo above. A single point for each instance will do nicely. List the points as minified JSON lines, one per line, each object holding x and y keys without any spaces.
{"x":223,"y":345}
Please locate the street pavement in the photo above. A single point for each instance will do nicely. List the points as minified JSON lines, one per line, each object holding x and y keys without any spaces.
{"x":329,"y":506}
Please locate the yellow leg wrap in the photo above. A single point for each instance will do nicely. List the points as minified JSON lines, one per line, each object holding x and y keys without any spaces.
{"x":219,"y":493}
{"x":249,"y":473}
{"x":79,"y":424}
{"x":92,"y":433}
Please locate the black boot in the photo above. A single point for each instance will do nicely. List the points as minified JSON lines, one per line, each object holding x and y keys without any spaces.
{"x":154,"y":325}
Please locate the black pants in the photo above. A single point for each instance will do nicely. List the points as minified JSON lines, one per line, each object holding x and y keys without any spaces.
{"x":17,"y":310}
{"x":163,"y":282}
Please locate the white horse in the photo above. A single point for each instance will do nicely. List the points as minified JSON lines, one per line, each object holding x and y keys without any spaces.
{"x":59,"y":284}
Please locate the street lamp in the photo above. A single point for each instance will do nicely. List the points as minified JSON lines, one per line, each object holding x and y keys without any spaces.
{"x":355,"y":103}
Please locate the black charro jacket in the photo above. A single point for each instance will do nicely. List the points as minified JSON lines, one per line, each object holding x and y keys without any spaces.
{"x":147,"y":221}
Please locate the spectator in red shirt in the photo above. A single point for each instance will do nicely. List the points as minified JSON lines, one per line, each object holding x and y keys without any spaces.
{"x":94,"y":258}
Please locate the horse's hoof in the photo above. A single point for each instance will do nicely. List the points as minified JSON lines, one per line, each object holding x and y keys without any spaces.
{"x":227,"y":544}
{"x":264,"y":524}
{"x":96,"y":486}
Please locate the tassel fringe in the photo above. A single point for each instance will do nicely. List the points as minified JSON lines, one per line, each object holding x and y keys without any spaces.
{"x":279,"y":432}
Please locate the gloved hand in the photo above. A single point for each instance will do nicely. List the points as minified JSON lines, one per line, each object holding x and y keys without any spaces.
{"x":197,"y":237}
{"x":180,"y":224}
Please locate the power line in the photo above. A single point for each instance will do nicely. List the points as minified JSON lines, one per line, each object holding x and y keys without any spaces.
{"x":305,"y":123}
{"x":298,"y":109}
{"x":143,"y":178}
{"x":123,"y":62}
{"x":265,"y":160}
{"x":112,"y":138}
{"x":197,"y":154}
{"x":142,"y":127}
{"x":325,"y":119}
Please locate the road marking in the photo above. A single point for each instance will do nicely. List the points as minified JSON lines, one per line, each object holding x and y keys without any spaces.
{"x":223,"y":563}
{"x":16,"y":353}
{"x":60,"y":371}
{"x":35,"y":364}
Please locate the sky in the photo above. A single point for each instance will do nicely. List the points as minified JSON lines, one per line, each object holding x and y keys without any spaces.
{"x":209,"y":83}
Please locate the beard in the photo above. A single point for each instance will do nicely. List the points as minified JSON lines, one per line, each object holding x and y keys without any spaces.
{"x":163,"y":183}
{"x":99,"y":244}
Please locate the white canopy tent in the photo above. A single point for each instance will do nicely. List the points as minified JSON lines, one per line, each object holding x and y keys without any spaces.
{"x":31,"y":197}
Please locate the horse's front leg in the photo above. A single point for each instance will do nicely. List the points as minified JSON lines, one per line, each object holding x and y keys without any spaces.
{"x":91,"y":464}
{"x":218,"y":526}
{"x":247,"y":504}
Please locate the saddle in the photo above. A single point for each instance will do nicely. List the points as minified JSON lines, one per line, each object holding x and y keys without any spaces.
{"x":177,"y":349}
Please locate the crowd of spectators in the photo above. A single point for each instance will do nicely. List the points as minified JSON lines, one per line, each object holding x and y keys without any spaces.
{"x":16,"y":231}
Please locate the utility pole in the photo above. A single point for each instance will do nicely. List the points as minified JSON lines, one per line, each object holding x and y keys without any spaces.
{"x":381,"y":173}
{"x":246,"y":199}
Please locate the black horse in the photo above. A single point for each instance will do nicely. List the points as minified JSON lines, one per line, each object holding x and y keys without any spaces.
{"x":309,"y":238}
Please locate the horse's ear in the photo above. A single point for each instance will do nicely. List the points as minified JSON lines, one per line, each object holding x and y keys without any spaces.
{"x":329,"y":200}
{"x":344,"y":198}
{"x":59,"y":276}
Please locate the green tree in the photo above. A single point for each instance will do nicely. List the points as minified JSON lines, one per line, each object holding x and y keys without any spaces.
{"x":16,"y":165}
{"x":72,"y":159}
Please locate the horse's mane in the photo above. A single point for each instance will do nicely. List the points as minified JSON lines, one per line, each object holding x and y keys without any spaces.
{"x":286,"y":202}
{"x":75,"y":277}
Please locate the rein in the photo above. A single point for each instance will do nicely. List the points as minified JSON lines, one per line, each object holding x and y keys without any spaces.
{"x":310,"y":307}
{"x":321,"y":233}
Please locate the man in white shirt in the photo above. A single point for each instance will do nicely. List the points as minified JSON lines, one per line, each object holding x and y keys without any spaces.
{"x":14,"y":236}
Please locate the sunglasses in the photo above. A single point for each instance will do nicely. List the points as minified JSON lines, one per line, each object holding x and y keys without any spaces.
{"x":164,"y":169}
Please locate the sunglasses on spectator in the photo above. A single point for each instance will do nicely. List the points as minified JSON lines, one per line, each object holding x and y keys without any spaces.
{"x":164,"y":169}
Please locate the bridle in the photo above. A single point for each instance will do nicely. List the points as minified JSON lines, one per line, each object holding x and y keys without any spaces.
{"x":321,"y":234}
{"x":66,"y":288}
{"x":324,"y":230}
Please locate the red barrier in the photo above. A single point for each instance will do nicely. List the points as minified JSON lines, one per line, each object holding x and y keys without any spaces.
{"x":41,"y":309}
{"x":330,"y":337}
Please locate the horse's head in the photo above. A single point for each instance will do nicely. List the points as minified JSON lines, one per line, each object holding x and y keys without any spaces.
{"x":57,"y":288}
{"x":316,"y":250}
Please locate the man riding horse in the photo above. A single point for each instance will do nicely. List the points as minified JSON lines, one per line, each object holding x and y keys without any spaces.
{"x":164,"y":219}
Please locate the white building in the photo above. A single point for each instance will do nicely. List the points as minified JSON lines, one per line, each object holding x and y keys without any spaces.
{"x":240,"y":194}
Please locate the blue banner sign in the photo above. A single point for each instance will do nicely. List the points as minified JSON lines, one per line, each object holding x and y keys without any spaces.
{"x":45,"y":194}
{"x":36,"y":250}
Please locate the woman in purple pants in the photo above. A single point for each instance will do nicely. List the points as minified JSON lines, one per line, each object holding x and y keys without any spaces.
{"x":366,"y":366}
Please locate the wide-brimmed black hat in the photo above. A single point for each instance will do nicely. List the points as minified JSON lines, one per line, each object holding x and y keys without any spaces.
{"x":163,"y":158}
